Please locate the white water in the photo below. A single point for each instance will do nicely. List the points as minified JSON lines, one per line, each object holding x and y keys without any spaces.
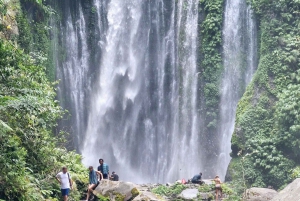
{"x":240,"y":63}
{"x":137,"y":117}
{"x":133,"y":99}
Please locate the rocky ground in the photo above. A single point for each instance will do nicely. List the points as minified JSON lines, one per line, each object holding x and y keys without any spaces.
{"x":126,"y":191}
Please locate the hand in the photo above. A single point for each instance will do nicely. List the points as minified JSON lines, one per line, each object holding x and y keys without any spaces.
{"x":71,"y":187}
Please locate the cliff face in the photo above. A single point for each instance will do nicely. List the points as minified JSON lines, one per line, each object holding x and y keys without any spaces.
{"x":266,"y":140}
{"x":8,"y":23}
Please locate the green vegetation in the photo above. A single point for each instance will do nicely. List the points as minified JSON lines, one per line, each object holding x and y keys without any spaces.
{"x":210,"y":59}
{"x":134,"y":192}
{"x":34,"y":24}
{"x":169,"y":190}
{"x":266,"y":140}
{"x":30,"y":154}
{"x":205,"y":188}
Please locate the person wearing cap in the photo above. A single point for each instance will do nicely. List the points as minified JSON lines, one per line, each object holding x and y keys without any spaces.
{"x":114,"y":176}
{"x":64,"y":179}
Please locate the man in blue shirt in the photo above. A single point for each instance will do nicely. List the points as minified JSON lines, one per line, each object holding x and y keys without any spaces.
{"x":103,"y":168}
{"x":197,"y":179}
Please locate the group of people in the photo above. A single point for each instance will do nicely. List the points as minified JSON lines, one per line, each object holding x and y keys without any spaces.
{"x":197,"y":179}
{"x":102,"y":172}
{"x":95,"y":176}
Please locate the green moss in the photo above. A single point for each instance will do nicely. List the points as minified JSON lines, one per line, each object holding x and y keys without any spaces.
{"x":119,"y":197}
{"x":102,"y":198}
{"x":134,"y":192}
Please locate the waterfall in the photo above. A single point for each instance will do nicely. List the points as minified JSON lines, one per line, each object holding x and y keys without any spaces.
{"x":240,"y":63}
{"x":73,"y":72}
{"x":128,"y":77}
{"x":143,"y":119}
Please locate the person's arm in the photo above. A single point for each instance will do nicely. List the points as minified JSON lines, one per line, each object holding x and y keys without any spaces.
{"x":56,"y":177}
{"x":70,"y":180}
{"x":100,"y":174}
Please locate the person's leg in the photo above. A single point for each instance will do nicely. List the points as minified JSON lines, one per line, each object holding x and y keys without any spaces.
{"x":216,"y":194}
{"x":90,"y":189}
{"x":66,"y":194}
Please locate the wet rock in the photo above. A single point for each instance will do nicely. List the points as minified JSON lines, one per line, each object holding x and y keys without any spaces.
{"x":260,"y":194}
{"x":147,"y":196}
{"x":189,"y":194}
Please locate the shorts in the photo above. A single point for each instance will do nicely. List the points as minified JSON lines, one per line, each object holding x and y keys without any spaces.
{"x":96,"y":185}
{"x":218,"y":187}
{"x":105,"y":176}
{"x":65,"y":192}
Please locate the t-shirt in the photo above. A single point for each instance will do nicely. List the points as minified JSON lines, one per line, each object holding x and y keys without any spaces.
{"x":64,"y":178}
{"x":196,"y":177}
{"x":104,"y":168}
{"x":93,"y":177}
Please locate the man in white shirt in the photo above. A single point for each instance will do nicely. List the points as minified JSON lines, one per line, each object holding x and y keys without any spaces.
{"x":64,"y":178}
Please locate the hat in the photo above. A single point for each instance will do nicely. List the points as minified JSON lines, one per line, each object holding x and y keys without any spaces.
{"x":113,"y":172}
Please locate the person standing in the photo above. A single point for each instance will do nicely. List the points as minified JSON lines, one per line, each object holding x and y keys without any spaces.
{"x":218,"y":187}
{"x":114,"y":177}
{"x":93,"y":181}
{"x":103,"y":168}
{"x":64,"y":178}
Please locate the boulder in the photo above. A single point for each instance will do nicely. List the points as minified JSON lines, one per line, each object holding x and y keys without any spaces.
{"x":260,"y":194}
{"x":189,"y":194}
{"x":147,"y":196}
{"x":289,"y":193}
{"x":116,"y":190}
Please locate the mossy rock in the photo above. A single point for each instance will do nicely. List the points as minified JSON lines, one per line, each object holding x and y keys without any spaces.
{"x":119,"y":197}
{"x":134,"y":192}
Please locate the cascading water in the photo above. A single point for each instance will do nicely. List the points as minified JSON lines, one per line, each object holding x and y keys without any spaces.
{"x":240,"y":62}
{"x":73,"y":72}
{"x":128,"y":71}
{"x":141,"y":123}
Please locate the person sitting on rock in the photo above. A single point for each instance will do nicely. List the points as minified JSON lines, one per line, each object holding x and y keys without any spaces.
{"x":114,"y":176}
{"x":93,"y":181}
{"x":197,"y":179}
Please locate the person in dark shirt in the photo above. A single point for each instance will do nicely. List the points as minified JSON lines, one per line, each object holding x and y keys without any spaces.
{"x":103,"y":168}
{"x":197,"y":179}
{"x":114,"y":177}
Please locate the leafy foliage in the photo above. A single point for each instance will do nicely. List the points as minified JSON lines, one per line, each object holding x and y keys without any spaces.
{"x":30,"y":155}
{"x":210,"y":61}
{"x":169,"y":190}
{"x":267,"y":122}
{"x":205,"y":188}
